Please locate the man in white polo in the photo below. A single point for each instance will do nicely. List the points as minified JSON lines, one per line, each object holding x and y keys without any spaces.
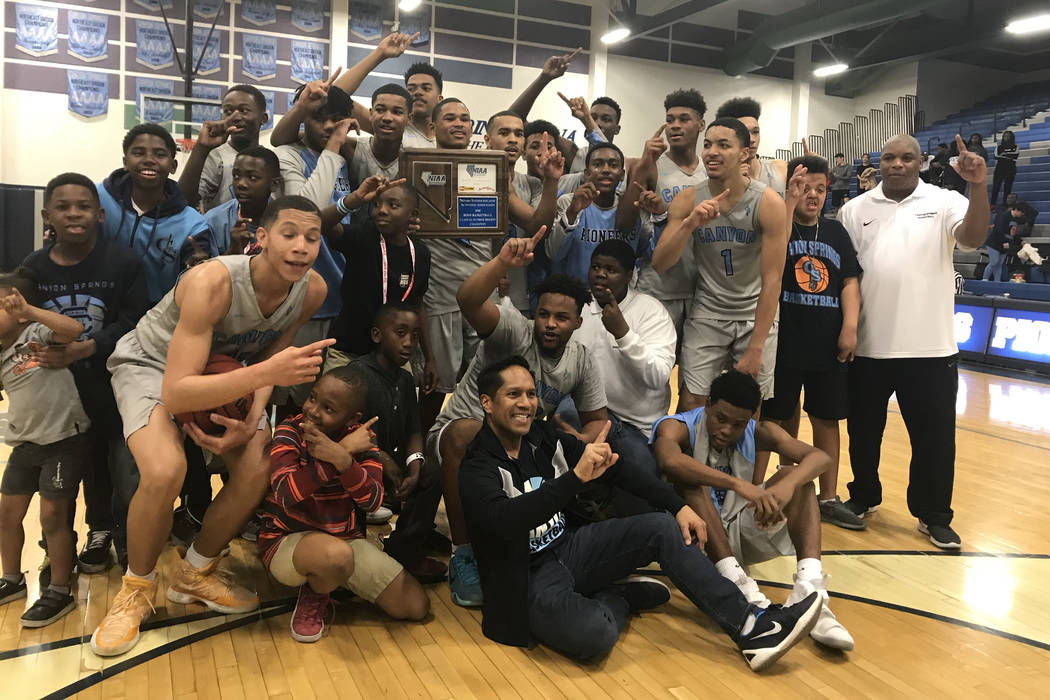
{"x":904,"y":231}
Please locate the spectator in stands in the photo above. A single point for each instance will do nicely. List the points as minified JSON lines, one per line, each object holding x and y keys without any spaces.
{"x":1023,"y":212}
{"x":938,"y":165}
{"x":866,"y":174}
{"x":976,"y":145}
{"x":865,"y":163}
{"x":839,"y":180}
{"x":997,"y":245}
{"x":952,"y":179}
{"x":1006,"y":154}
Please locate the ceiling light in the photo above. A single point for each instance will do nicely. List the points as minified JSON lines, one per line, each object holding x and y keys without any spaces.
{"x":833,"y":69}
{"x":614,"y":36}
{"x":409,"y":5}
{"x":1029,"y":25}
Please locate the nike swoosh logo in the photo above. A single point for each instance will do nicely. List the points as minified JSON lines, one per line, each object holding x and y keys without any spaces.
{"x":868,"y":222}
{"x":775,"y":630}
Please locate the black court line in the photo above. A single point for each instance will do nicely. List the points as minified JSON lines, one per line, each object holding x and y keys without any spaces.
{"x":110,"y":671}
{"x":930,"y":553}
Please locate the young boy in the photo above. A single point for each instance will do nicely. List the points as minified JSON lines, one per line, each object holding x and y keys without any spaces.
{"x":145,"y":210}
{"x":399,"y":434}
{"x":101,"y":285}
{"x":256,"y":180}
{"x":325,"y":475}
{"x":819,"y":305}
{"x":207,"y":179}
{"x":47,"y":428}
{"x":247,"y":307}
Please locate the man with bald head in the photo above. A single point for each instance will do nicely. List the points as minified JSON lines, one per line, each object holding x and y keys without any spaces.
{"x":904,"y":232}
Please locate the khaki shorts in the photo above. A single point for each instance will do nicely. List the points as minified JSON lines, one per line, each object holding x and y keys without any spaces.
{"x":374,"y":570}
{"x":710,"y":347}
{"x":337,"y":358}
{"x":452,"y":341}
{"x":313,"y":330}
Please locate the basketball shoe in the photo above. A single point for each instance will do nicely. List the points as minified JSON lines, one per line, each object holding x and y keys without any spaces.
{"x":827,"y":630}
{"x":208,"y":586}
{"x":118,"y":631}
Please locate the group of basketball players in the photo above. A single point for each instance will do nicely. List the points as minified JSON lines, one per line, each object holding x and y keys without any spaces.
{"x":614,"y":270}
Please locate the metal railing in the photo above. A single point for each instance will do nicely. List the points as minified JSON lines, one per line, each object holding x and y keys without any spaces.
{"x":866,"y":134}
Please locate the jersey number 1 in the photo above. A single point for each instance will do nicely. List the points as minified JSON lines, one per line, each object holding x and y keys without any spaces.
{"x":727,"y":258}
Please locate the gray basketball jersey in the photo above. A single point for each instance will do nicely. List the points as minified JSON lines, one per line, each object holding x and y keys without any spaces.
{"x":243,"y":333}
{"x":679,"y":281}
{"x":364,"y":164}
{"x":529,"y":189}
{"x":728,"y":252}
{"x":768,"y":174}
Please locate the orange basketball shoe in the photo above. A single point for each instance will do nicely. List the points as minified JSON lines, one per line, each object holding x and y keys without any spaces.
{"x":118,"y":631}
{"x":210,"y":587}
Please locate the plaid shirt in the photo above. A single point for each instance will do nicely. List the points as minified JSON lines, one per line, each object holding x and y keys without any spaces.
{"x":307,"y":494}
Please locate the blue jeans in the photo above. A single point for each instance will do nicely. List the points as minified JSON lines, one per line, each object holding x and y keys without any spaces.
{"x":574,"y":610}
{"x":995,"y":271}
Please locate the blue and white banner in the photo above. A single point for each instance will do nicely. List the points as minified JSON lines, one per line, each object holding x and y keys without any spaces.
{"x":307,"y":60}
{"x":88,"y":34}
{"x":156,"y":4}
{"x":210,"y":62}
{"x":154,"y":111}
{"x":308,"y":15}
{"x":152,"y":44}
{"x":259,"y":12}
{"x":203,"y":113}
{"x":88,"y":92}
{"x":207,"y":9}
{"x":36,"y":29}
{"x":366,"y":18}
{"x":259,"y":56}
{"x":270,"y":95}
{"x":412,"y":22}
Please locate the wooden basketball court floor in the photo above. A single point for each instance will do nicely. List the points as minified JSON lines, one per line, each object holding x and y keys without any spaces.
{"x":926,"y":623}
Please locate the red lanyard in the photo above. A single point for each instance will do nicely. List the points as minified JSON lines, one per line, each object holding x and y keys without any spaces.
{"x":412,"y":256}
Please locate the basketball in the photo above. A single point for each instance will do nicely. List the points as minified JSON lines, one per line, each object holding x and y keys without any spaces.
{"x":811,"y":274}
{"x":237,"y":410}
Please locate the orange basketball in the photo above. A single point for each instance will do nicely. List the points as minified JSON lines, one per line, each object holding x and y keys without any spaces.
{"x":237,"y":410}
{"x":811,"y":275}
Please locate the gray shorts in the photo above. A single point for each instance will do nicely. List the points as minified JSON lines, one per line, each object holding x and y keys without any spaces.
{"x":53,"y":470}
{"x":313,"y":330}
{"x":679,"y":310}
{"x":752,"y":544}
{"x":709,"y":347}
{"x":136,"y":381}
{"x":453,"y":342}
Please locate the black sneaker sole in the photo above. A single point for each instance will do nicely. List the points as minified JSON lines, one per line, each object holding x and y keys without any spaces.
{"x":70,"y":607}
{"x":17,"y":595}
{"x":801,"y":630}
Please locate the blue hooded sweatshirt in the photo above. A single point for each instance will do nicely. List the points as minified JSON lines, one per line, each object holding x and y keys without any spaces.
{"x":160,"y":237}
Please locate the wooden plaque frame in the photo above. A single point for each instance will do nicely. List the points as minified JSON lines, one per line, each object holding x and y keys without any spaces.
{"x":462,"y":193}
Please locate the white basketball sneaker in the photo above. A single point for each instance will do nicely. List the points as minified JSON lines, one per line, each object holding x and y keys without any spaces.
{"x":752,"y":592}
{"x":828,"y":630}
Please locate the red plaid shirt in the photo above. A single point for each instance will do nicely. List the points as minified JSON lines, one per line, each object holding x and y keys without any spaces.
{"x":307,"y":494}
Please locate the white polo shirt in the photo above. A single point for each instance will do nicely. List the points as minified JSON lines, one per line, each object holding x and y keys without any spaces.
{"x":637,"y":367}
{"x":907,"y":289}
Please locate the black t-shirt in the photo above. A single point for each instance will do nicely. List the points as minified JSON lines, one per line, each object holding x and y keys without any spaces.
{"x":362,"y":283}
{"x":819,"y":259}
{"x":392,"y":397}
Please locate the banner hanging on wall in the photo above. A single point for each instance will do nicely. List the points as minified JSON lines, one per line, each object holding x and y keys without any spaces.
{"x":202,"y":113}
{"x":308,"y":15}
{"x":210,"y":62}
{"x":156,"y":4}
{"x":207,"y":9}
{"x":88,"y":92}
{"x":154,"y":111}
{"x":366,"y":18}
{"x":88,"y":34}
{"x":411,"y":23}
{"x":259,"y":56}
{"x":36,"y":29}
{"x":270,"y":95}
{"x":152,"y":44}
{"x":259,"y":12}
{"x":307,"y":60}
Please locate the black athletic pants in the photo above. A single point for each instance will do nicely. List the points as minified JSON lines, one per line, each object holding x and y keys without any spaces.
{"x":416,"y":519}
{"x":1000,"y":177}
{"x":837,"y":196}
{"x":926,"y":388}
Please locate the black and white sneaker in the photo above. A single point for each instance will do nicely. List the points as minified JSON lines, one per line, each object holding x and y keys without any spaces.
{"x":10,"y":591}
{"x":771,"y":632}
{"x":49,"y":607}
{"x":94,"y":558}
{"x":642,"y":593}
{"x":942,"y":536}
{"x":184,"y":527}
{"x":859,"y":509}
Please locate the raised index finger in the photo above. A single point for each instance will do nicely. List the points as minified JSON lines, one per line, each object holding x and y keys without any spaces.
{"x":660,"y":131}
{"x":538,"y":236}
{"x":333,"y":76}
{"x":569,"y":56}
{"x":319,"y":345}
{"x":603,"y":433}
{"x":564,"y":99}
{"x":368,"y":423}
{"x":960,"y":144}
{"x":722,"y":195}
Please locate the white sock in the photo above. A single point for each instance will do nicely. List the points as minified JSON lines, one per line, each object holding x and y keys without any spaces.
{"x":809,"y":569}
{"x":730,"y":568}
{"x":196,"y":559}
{"x":151,"y":576}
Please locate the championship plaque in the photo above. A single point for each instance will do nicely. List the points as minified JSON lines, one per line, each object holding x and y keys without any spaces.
{"x":462,"y":192}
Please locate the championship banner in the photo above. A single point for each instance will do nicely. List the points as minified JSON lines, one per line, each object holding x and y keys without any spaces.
{"x":259,"y":56}
{"x":259,"y":12}
{"x":416,"y":22}
{"x":36,"y":29}
{"x":152,"y":44}
{"x":203,"y":113}
{"x":307,"y":60}
{"x":156,"y":4}
{"x":270,"y":95}
{"x":88,"y":35}
{"x":308,"y":15}
{"x":366,"y":18}
{"x":210,"y":62}
{"x":207,"y":9}
{"x":88,"y":92}
{"x":154,"y":111}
